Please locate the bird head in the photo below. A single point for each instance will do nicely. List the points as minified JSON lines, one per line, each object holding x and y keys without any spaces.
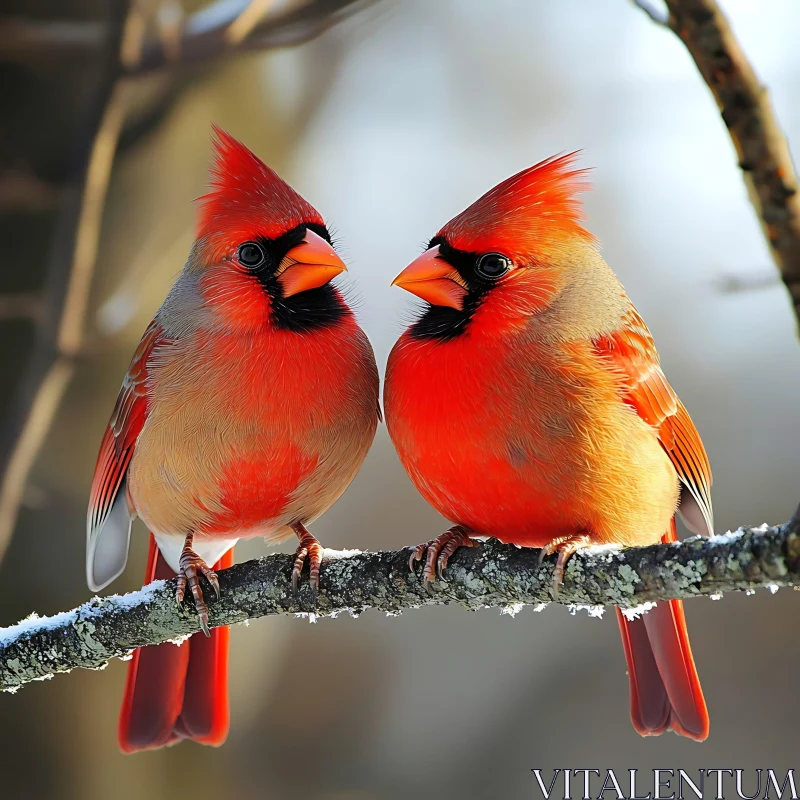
{"x":262,"y":250}
{"x":505,"y":256}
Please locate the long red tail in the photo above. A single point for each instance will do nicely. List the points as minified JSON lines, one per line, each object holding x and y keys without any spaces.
{"x":176,"y":692}
{"x":665,"y":689}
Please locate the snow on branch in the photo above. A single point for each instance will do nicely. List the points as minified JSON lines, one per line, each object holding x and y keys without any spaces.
{"x":492,"y":575}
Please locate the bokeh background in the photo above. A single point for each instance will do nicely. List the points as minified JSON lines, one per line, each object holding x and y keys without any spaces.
{"x":390,"y":123}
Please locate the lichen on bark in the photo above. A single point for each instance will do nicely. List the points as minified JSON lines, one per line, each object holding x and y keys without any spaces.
{"x":491,"y":575}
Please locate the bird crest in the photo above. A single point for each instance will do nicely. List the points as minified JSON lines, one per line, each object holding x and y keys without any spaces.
{"x":247,"y":198}
{"x":531,"y":211}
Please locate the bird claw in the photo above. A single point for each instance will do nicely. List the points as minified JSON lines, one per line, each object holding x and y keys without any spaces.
{"x":417,"y":552}
{"x":437,"y":553}
{"x":309,"y":550}
{"x":566,"y":547}
{"x":191,"y":567}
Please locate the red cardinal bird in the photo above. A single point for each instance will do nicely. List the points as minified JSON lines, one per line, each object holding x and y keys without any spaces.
{"x":247,"y":410}
{"x":527,"y":403}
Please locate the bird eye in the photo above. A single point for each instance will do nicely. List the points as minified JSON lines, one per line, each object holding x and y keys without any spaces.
{"x":493,"y":265}
{"x":251,"y":255}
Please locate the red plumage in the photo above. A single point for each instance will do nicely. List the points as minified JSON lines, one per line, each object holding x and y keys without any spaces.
{"x":528,"y":212}
{"x":119,"y":440}
{"x":247,"y":199}
{"x":527,"y":403}
{"x":247,"y":409}
{"x":176,"y":692}
{"x":665,"y":691}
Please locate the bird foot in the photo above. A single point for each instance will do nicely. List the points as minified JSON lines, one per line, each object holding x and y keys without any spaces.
{"x":437,"y":552}
{"x":191,"y":567}
{"x":566,"y":547}
{"x":309,"y":550}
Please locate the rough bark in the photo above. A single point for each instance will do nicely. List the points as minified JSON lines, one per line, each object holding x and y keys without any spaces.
{"x":747,"y":112}
{"x":491,"y":575}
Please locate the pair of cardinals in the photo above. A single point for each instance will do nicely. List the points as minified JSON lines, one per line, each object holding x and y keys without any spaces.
{"x":526,"y":403}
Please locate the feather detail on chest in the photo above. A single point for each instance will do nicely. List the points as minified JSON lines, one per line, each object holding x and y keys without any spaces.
{"x":527,"y":403}
{"x":241,"y":425}
{"x":248,"y":408}
{"x":504,"y":438}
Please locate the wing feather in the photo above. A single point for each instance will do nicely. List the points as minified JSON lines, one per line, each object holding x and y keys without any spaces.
{"x":108,"y":519}
{"x":632,"y":354}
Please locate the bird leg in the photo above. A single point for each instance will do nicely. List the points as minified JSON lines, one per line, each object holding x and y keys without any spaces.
{"x":309,"y":548}
{"x":566,"y":547}
{"x":439,"y":551}
{"x":191,"y":567}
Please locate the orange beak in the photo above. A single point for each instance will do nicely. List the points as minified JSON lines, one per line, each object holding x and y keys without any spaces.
{"x":433,"y":279}
{"x":309,"y":265}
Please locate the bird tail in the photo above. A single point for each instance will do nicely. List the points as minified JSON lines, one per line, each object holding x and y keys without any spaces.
{"x":176,"y":692}
{"x":665,"y":689}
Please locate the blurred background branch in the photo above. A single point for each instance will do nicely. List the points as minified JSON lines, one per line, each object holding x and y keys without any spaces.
{"x":493,"y":575}
{"x":130,"y":51}
{"x":658,"y":16}
{"x":221,"y":28}
{"x":390,"y":123}
{"x":747,"y":112}
{"x":228,"y":26}
{"x":68,"y":278}
{"x":21,"y":305}
{"x":748,"y":282}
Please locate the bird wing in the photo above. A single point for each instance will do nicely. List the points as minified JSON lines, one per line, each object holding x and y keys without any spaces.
{"x":108,"y":521}
{"x":632,"y":354}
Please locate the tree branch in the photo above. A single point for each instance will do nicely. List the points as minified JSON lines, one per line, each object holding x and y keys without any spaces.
{"x":129,"y":52}
{"x":762,"y":148}
{"x":206,"y":34}
{"x":658,"y":16}
{"x":21,"y":190}
{"x":491,"y":575}
{"x":23,"y":39}
{"x":203,"y":36}
{"x":69,"y":273}
{"x":21,"y":305}
{"x":243,"y":25}
{"x":748,"y":282}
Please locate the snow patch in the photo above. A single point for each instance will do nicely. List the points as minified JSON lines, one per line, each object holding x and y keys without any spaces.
{"x":726,"y":538}
{"x":540,"y":606}
{"x":33,"y":624}
{"x":47,"y":677}
{"x":512,"y":609}
{"x":600,"y":549}
{"x":121,"y":601}
{"x":592,"y":611}
{"x":334,"y":554}
{"x":716,"y":596}
{"x":773,"y":587}
{"x":637,"y":611}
